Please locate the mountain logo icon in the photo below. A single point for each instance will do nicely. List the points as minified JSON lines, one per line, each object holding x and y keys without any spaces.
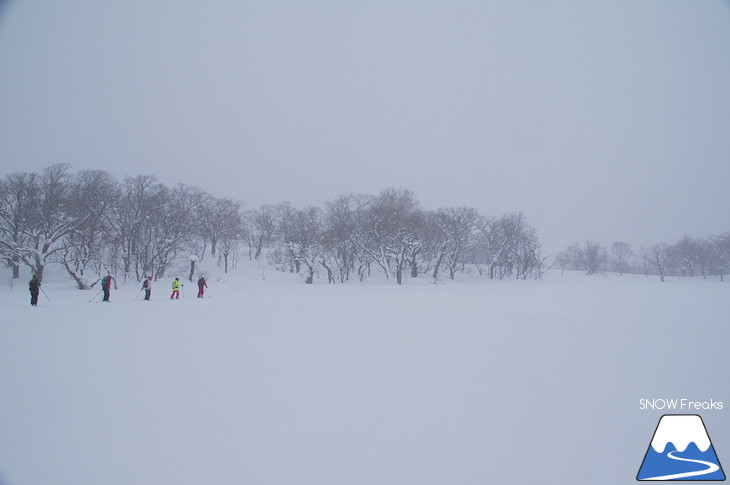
{"x":680,"y":450}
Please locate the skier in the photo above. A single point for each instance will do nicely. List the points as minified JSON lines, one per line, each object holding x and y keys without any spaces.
{"x":176,"y":285}
{"x":147,"y":287}
{"x":106,"y":286}
{"x":34,"y":286}
{"x":201,"y":286}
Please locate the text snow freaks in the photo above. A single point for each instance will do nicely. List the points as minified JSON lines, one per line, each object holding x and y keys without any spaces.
{"x":679,"y":405}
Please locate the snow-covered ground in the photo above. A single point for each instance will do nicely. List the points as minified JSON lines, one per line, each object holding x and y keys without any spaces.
{"x":276,"y":382}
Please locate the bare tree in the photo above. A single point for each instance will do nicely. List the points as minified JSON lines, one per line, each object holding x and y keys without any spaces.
{"x":576,"y":255}
{"x":344,"y":220}
{"x":509,"y":245}
{"x":152,"y":224}
{"x":48,"y":217}
{"x":130,"y":223}
{"x":302,"y":234}
{"x":720,"y":254}
{"x":528,"y":254}
{"x":169,"y":230}
{"x":390,"y":235}
{"x":563,"y":260}
{"x":260,"y":227}
{"x":17,"y":196}
{"x":621,"y":255}
{"x":456,"y":235}
{"x":216,"y":215}
{"x":661,"y":257}
{"x":686,"y":254}
{"x":595,"y":257}
{"x":229,"y":237}
{"x":95,"y":194}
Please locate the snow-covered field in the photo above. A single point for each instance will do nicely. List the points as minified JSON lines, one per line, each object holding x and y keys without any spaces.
{"x":277,"y":382}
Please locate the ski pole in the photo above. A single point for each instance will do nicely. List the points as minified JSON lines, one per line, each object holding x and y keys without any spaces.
{"x":94,"y":297}
{"x":140,"y":291}
{"x":44,"y":294}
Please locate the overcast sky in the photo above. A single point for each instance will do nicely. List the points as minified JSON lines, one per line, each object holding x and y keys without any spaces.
{"x":603,"y":120}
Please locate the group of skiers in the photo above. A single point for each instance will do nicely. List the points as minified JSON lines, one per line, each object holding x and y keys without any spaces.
{"x":176,"y":285}
{"x":34,"y":286}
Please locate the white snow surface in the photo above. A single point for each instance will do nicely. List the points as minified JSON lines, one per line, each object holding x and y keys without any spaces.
{"x":681,"y":430}
{"x":277,"y":382}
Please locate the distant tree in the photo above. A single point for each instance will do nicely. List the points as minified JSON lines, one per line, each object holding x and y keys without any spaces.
{"x":303,"y":234}
{"x":508,"y":245}
{"x":493,"y":245}
{"x":170,"y":228}
{"x":563,"y":261}
{"x":130,"y":231}
{"x":455,"y":234}
{"x":95,"y":194}
{"x":686,"y":255}
{"x":595,"y":257}
{"x":196,"y":203}
{"x":260,"y":226}
{"x":390,"y":231}
{"x":344,"y":219}
{"x":720,"y":254}
{"x":528,"y":256}
{"x":576,"y":255}
{"x":229,"y":238}
{"x":217,"y":213}
{"x":153,"y":223}
{"x":18,"y":192}
{"x":621,"y":255}
{"x":662,"y":257}
{"x":48,"y":216}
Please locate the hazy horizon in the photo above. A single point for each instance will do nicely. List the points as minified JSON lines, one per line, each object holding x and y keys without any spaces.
{"x":605,"y":121}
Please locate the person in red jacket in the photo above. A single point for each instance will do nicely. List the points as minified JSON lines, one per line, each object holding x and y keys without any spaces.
{"x":106,"y":286}
{"x":202,"y":285}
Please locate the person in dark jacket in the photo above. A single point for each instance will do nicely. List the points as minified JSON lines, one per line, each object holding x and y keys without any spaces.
{"x":202,"y":285}
{"x":34,"y":286}
{"x":106,"y":286}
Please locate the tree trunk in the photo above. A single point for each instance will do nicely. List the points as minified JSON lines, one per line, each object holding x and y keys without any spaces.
{"x":259,"y":245}
{"x":38,"y":268}
{"x":192,"y":271}
{"x":79,"y":282}
{"x":330,"y":276}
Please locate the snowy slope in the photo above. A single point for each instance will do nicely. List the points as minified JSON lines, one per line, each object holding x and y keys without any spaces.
{"x":277,"y":382}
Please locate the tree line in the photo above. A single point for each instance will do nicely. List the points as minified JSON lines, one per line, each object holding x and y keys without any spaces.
{"x":688,"y":256}
{"x":92,"y":224}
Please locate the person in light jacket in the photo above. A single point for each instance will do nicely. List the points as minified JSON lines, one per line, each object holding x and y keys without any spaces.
{"x":147,"y":287}
{"x":176,"y":285}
